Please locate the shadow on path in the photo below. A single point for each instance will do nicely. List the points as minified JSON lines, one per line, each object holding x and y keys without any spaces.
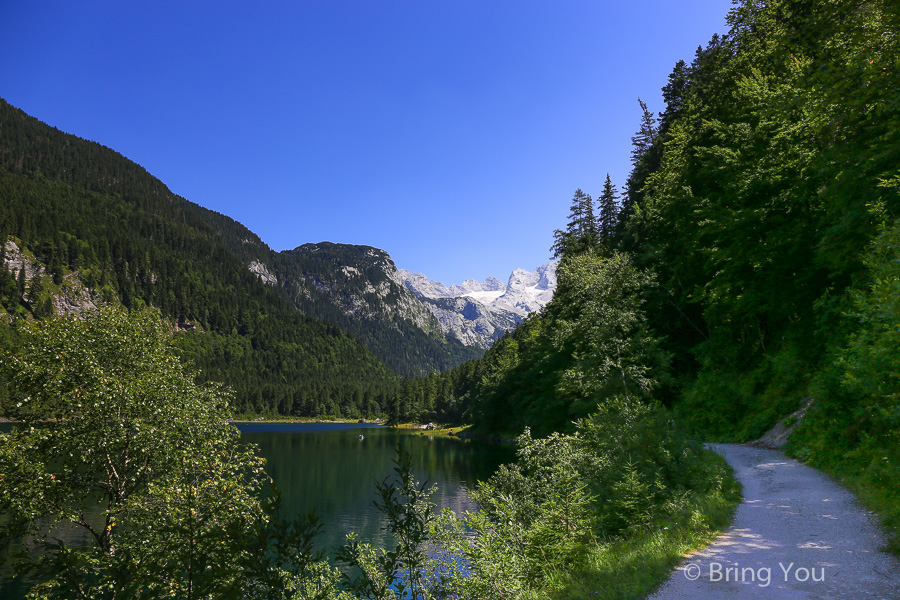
{"x":796,"y":535}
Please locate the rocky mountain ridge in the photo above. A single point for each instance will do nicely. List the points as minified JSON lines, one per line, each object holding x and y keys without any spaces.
{"x":524,"y":292}
{"x":360,"y":289}
{"x":480,"y":312}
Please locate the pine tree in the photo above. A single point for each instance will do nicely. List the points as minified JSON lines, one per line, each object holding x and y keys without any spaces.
{"x":581,"y":232}
{"x":609,"y":211}
{"x":646,"y":136}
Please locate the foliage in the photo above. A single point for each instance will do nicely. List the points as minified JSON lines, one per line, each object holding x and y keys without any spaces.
{"x":409,"y":511}
{"x":590,"y":342}
{"x":598,"y":318}
{"x":853,"y":429}
{"x":752,"y":203}
{"x":118,"y":442}
{"x":549,"y":516}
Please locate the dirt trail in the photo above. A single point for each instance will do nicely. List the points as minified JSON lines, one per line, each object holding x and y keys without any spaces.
{"x":796,"y":535}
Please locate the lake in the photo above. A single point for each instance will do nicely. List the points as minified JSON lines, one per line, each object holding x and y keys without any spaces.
{"x":326,"y":467}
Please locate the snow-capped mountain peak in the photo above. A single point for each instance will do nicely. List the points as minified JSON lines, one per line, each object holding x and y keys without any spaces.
{"x":525,"y":291}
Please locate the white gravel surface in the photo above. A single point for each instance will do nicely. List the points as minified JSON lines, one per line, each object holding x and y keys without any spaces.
{"x":796,"y":535}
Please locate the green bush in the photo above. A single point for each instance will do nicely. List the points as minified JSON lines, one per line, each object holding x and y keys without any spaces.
{"x":625,"y":471}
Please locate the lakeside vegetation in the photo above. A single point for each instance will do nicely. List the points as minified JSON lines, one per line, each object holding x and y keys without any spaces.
{"x":751,"y":261}
{"x":107,"y":411}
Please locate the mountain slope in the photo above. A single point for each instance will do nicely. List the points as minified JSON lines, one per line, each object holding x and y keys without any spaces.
{"x":84,"y":216}
{"x":358,"y":289}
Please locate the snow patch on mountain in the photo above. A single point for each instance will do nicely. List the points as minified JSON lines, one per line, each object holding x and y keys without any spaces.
{"x":524,"y":292}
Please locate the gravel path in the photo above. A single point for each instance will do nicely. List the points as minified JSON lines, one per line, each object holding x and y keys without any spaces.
{"x":796,"y":535}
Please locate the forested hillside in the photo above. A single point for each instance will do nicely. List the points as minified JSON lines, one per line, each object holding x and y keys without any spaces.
{"x":357,"y":288}
{"x":754,"y":259}
{"x":104,"y":228}
{"x":291,"y":332}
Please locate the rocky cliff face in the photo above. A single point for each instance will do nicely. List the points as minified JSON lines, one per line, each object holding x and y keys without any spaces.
{"x":361,"y":281}
{"x":69,"y":296}
{"x":470,"y":321}
{"x":528,"y":291}
{"x":360,"y":289}
{"x":479,"y":312}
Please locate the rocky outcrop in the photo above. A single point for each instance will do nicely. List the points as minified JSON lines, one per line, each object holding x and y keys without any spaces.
{"x":524,"y":292}
{"x":361,"y":281}
{"x":528,"y":291}
{"x":358,"y":289}
{"x":262,"y":272}
{"x":470,"y":321}
{"x":479,"y":312}
{"x":69,"y":297}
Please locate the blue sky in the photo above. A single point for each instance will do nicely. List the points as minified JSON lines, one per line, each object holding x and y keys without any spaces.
{"x":450,"y":134}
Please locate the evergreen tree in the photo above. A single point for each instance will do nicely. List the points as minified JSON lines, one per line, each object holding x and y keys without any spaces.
{"x":673,"y":93}
{"x":609,"y":211}
{"x":645,"y":156}
{"x":581,"y":232}
{"x":646,"y":136}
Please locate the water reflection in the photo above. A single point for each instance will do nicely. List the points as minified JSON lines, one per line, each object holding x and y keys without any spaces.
{"x":334,"y":472}
{"x":327,"y":468}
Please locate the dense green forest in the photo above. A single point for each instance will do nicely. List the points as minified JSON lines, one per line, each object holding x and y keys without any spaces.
{"x":752,"y":262}
{"x":755,"y":216}
{"x":106,"y":229}
{"x":96,"y":228}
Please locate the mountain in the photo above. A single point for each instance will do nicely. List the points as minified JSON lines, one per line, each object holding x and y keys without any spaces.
{"x":358,"y":288}
{"x":82,"y":226}
{"x":306,"y":331}
{"x":480,"y":312}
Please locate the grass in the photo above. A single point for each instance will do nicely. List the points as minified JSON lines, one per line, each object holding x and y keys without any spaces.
{"x":634,"y":567}
{"x":445,"y":431}
{"x":882,"y":500}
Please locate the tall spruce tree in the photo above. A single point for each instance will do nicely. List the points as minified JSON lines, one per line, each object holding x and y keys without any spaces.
{"x":646,"y":136}
{"x":645,"y":156}
{"x":673,"y":93}
{"x":581,"y":232}
{"x":609,"y":212}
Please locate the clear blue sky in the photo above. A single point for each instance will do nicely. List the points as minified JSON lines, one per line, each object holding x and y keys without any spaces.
{"x":451,"y":134}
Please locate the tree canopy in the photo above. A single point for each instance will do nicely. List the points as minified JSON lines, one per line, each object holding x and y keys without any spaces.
{"x":117,"y":441}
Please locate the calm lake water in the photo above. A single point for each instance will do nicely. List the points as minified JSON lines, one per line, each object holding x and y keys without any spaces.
{"x":326,"y":467}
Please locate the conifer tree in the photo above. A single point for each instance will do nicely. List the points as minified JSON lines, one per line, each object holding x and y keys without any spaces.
{"x":609,"y":210}
{"x":673,"y":94}
{"x":581,"y":232}
{"x":643,"y":159}
{"x":646,"y":135}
